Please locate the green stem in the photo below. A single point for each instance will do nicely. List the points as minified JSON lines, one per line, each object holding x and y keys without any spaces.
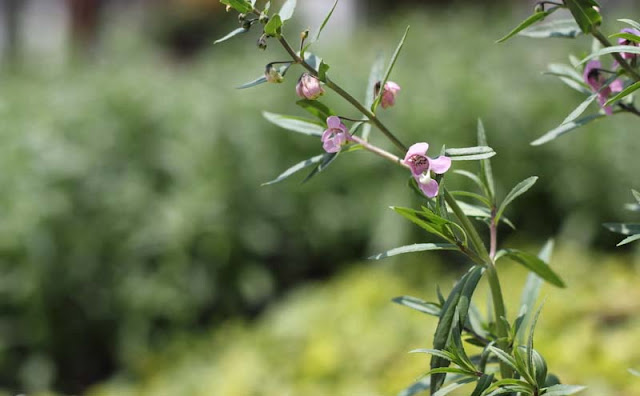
{"x":337,"y":89}
{"x":621,"y":61}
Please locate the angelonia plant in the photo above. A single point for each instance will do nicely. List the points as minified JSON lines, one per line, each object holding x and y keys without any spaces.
{"x":609,"y":82}
{"x":505,"y":360}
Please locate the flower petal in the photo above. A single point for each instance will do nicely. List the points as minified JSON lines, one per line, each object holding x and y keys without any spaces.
{"x":430,"y":189}
{"x":417,"y":149}
{"x":334,"y":122}
{"x":440,"y":165}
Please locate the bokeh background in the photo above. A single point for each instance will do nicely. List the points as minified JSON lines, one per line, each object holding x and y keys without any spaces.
{"x":140,"y":256}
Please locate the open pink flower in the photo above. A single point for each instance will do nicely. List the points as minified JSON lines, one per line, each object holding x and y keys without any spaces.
{"x":335,"y":136}
{"x":595,"y":79}
{"x":624,"y":41}
{"x":422,"y":166}
{"x":309,"y":87}
{"x":389,"y":93}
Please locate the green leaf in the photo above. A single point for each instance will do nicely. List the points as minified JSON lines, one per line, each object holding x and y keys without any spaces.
{"x":375,"y":75}
{"x":531,"y":290}
{"x":473,"y":178}
{"x":436,"y":352}
{"x":579,"y":86}
{"x":623,"y":228}
{"x":392,"y":63}
{"x":428,"y":221}
{"x":295,"y":124}
{"x":625,"y":92}
{"x":463,"y":290}
{"x":273,"y":28}
{"x":479,"y":212}
{"x":634,"y":372}
{"x":242,"y":6}
{"x":475,"y":196}
{"x":316,"y":108}
{"x":631,"y":49}
{"x":326,"y":20}
{"x":326,"y":161}
{"x":483,"y":384}
{"x":417,"y":247}
{"x":563,"y":390}
{"x":419,"y":305}
{"x":535,"y":265}
{"x":417,"y":387}
{"x":587,"y":17}
{"x":525,"y":24}
{"x":451,"y":387}
{"x":504,"y":357}
{"x":564,"y":128}
{"x":295,"y":168}
{"x":636,"y":195}
{"x":470,"y":153}
{"x":286,"y":12}
{"x":580,"y":109}
{"x":629,"y":239}
{"x":485,"y":165}
{"x":322,"y":71}
{"x":626,"y":36}
{"x":518,"y":190}
{"x":562,"y":28}
{"x":530,"y":351}
{"x":313,"y":60}
{"x":633,"y":23}
{"x":234,"y":33}
{"x":260,"y":80}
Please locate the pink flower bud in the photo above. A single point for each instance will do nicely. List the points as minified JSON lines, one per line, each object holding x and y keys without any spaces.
{"x":389,"y":93}
{"x":624,"y":41}
{"x":309,"y":87}
{"x":593,"y":76}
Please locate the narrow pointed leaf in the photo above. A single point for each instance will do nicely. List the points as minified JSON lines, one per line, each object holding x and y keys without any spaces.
{"x":506,"y":358}
{"x":317,"y":109}
{"x":297,"y":167}
{"x":562,"y":28}
{"x":633,"y":24}
{"x":417,"y":247}
{"x":580,"y":109}
{"x":531,"y":290}
{"x":563,"y":390}
{"x":485,"y":164}
{"x":419,"y":305}
{"x":295,"y":124}
{"x":518,"y":190}
{"x":326,"y":20}
{"x":472,"y":177}
{"x":634,"y":372}
{"x":451,"y":387}
{"x":536,"y":265}
{"x":392,"y":63}
{"x":232,"y":34}
{"x":419,"y":386}
{"x":626,"y":36}
{"x":564,"y":128}
{"x":257,"y":81}
{"x":625,"y":92}
{"x":636,"y":195}
{"x":473,"y":157}
{"x":632,"y":49}
{"x":629,"y":239}
{"x":286,"y":12}
{"x":326,"y":161}
{"x":483,"y":384}
{"x":538,"y":16}
{"x":585,"y":14}
{"x":242,"y":6}
{"x":274,"y":26}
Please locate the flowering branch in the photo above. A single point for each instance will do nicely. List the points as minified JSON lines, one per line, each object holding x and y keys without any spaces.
{"x":621,"y":61}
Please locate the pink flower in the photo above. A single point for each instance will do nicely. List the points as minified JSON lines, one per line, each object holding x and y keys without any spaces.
{"x":422,"y":166}
{"x":389,"y":93}
{"x":335,"y":136}
{"x":594,"y":78}
{"x":309,"y":87}
{"x":624,"y":41}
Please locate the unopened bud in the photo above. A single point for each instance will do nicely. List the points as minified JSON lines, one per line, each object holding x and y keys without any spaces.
{"x":304,"y":35}
{"x":262,"y":42}
{"x":242,"y":17}
{"x":263,"y":19}
{"x":389,"y":93}
{"x":228,"y":8}
{"x":246,"y":25}
{"x":538,"y":8}
{"x":309,"y":87}
{"x":273,"y":75}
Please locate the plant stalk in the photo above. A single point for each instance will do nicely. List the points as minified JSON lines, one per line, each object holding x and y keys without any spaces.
{"x":621,"y":61}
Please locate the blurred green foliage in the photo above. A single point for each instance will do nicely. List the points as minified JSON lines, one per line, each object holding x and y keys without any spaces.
{"x":131,"y":207}
{"x":345,"y":337}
